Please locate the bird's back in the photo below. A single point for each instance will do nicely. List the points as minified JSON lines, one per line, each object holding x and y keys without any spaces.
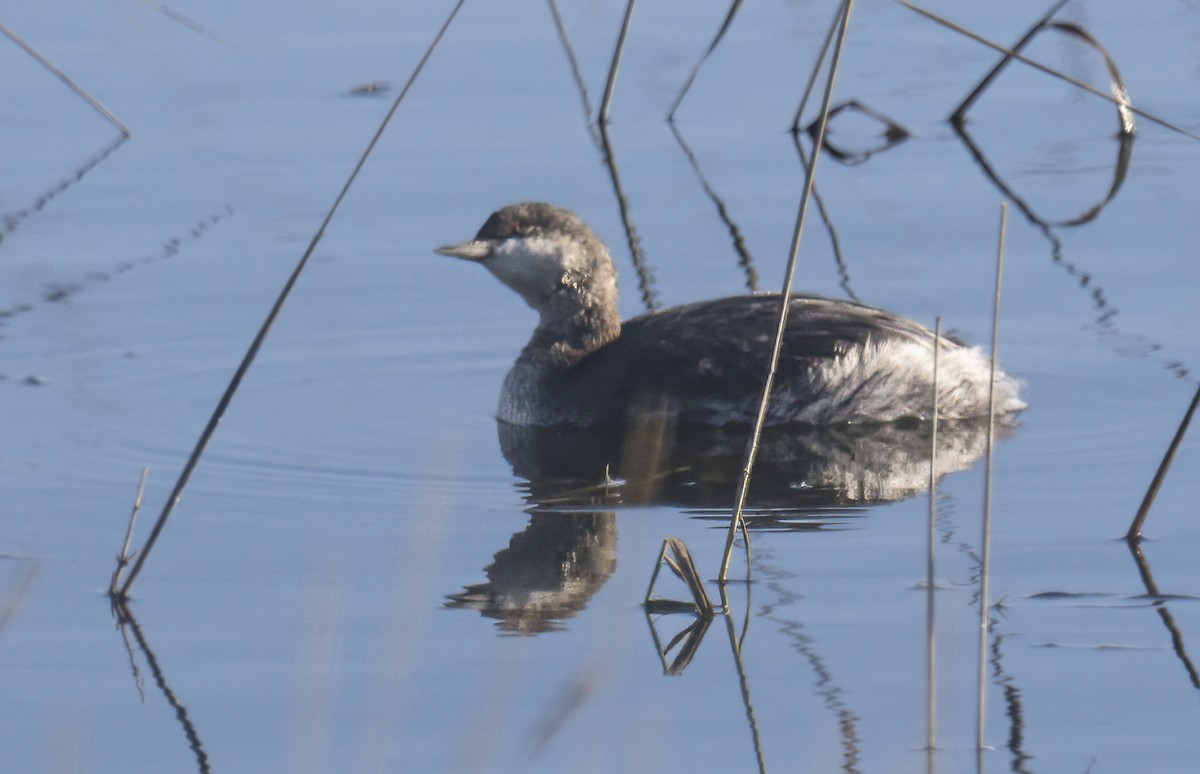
{"x":706,"y":363}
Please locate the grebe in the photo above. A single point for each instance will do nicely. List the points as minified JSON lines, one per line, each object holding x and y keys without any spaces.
{"x":706,"y":362}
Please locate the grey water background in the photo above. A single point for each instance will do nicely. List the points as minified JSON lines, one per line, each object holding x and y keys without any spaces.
{"x":309,"y":605}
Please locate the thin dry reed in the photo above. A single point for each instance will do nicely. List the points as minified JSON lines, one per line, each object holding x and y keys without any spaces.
{"x":1135,"y":529}
{"x":931,"y":541}
{"x":985,"y":543}
{"x":260,"y":337}
{"x":785,"y":300}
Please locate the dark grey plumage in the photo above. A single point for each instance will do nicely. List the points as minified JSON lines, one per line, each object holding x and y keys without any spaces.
{"x":705,"y":362}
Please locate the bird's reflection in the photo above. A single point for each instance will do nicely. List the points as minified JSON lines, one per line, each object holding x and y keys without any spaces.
{"x":657,"y":462}
{"x":551,"y":569}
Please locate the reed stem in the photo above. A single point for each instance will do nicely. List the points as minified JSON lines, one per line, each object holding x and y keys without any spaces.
{"x":784,"y":301}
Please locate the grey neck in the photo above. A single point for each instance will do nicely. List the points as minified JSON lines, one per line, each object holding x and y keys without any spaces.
{"x":580,"y":318}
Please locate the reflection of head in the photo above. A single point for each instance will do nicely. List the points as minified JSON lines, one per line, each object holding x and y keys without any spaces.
{"x":548,"y":572}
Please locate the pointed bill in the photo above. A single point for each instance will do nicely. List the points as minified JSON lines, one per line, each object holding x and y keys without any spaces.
{"x":474,"y":250}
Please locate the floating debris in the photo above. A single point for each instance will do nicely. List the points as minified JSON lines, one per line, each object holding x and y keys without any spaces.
{"x":370,"y":89}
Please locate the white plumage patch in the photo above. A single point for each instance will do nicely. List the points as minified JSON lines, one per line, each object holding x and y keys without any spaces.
{"x":892,"y":380}
{"x":533,"y":266}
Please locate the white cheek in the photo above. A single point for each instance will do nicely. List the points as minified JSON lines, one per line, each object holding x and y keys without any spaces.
{"x":528,"y":266}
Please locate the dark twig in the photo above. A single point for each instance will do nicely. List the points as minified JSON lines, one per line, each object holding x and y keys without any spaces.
{"x":690,"y":636}
{"x":892,"y":135}
{"x":745,"y":260}
{"x":965,"y":105}
{"x":1120,"y":100}
{"x":611,"y":84}
{"x":576,"y":73}
{"x":1120,"y":171}
{"x":1116,"y":83}
{"x":134,"y":669}
{"x":261,"y":336}
{"x":784,"y":305}
{"x":1160,"y":605}
{"x":599,"y":133}
{"x":1124,"y":116}
{"x":1107,"y":315}
{"x":812,"y":79}
{"x":834,"y":243}
{"x":125,"y":617}
{"x":826,"y":684}
{"x":1014,"y":708}
{"x":733,"y":9}
{"x":644,"y":275}
{"x":1135,"y":529}
{"x":644,"y":279}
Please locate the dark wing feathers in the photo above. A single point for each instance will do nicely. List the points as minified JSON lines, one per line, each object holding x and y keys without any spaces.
{"x":722,"y":348}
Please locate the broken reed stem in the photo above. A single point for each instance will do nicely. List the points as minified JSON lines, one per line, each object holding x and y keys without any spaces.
{"x":123,"y":557}
{"x":1120,"y":101}
{"x":986,"y":539}
{"x":785,"y":301}
{"x":684,"y":569}
{"x":1135,"y":529}
{"x":931,"y":540}
{"x":137,"y":504}
{"x":611,"y":85}
{"x":75,"y":87}
{"x":261,"y":336}
{"x":658,"y":563}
